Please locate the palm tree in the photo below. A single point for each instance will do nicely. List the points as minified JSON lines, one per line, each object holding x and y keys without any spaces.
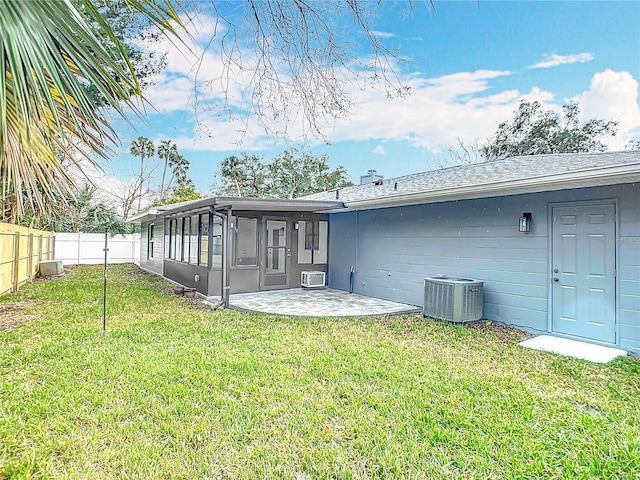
{"x":144,"y":148}
{"x":167,"y":151}
{"x":81,"y":212}
{"x":233,"y":168}
{"x":179,"y":168}
{"x":50,"y":52}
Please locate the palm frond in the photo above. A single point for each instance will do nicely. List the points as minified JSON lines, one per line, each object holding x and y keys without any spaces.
{"x":50,"y":51}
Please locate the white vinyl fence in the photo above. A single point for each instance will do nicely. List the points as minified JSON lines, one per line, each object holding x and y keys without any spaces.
{"x":88,"y":248}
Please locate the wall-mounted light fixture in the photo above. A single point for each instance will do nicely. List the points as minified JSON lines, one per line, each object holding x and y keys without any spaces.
{"x":525,"y":223}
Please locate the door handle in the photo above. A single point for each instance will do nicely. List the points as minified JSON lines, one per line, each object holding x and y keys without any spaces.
{"x":556,"y":279}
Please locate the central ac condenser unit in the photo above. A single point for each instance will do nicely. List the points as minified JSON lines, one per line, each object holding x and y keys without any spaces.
{"x":453,"y":299}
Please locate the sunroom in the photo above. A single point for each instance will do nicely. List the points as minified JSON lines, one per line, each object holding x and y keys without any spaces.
{"x":224,"y":245}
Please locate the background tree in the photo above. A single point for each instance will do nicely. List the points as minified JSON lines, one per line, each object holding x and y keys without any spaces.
{"x":183,"y":192}
{"x":294,"y":174}
{"x":50,"y":52}
{"x":633,"y":145}
{"x":289,"y":175}
{"x":63,"y":61}
{"x":81,"y":212}
{"x":127,"y":194}
{"x":179,"y":168}
{"x":131,"y":28}
{"x":167,"y":151}
{"x":172,"y":160}
{"x":243,"y":176}
{"x":296,"y":61}
{"x":144,"y":148}
{"x":534,"y":131}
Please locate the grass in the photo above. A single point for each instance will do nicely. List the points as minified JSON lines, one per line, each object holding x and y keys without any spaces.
{"x":172,"y":391}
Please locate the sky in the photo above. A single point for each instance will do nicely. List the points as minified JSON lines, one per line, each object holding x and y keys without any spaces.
{"x":468,"y":64}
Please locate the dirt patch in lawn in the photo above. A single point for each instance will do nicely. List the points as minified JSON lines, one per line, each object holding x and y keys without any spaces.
{"x":501,"y":332}
{"x":11,"y":315}
{"x":195,"y":302}
{"x":135,"y":272}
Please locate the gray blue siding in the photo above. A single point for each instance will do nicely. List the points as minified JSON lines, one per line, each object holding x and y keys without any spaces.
{"x":394,"y":249}
{"x":629,"y":267}
{"x":152,"y":264}
{"x":342,"y":249}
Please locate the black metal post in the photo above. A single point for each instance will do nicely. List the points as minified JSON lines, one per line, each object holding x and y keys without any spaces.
{"x":226,"y":232}
{"x":104,"y":294}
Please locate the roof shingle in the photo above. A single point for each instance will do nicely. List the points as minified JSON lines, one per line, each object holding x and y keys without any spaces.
{"x":506,"y":170}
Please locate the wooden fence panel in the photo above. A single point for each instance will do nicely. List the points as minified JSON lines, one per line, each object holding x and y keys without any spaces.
{"x":21,"y":251}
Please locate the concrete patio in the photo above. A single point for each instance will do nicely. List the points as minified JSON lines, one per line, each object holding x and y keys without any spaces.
{"x":322,"y":302}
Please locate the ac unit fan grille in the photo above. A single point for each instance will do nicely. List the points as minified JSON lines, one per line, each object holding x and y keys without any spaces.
{"x":441,"y":300}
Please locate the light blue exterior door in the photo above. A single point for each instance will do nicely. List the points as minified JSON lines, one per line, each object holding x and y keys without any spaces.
{"x":583,"y":271}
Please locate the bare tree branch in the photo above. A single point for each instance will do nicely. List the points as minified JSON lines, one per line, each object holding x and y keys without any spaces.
{"x":298,"y":61}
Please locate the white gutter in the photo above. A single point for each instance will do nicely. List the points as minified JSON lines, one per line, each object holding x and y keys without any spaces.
{"x":600,"y":176}
{"x":252,"y":203}
{"x":142,"y":216}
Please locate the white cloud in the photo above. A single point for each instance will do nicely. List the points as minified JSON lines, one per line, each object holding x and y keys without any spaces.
{"x":437,"y":111}
{"x":613,"y":96}
{"x":195,"y":72}
{"x":379,"y":150}
{"x":382,"y":34}
{"x":110,"y":189}
{"x":554,"y":60}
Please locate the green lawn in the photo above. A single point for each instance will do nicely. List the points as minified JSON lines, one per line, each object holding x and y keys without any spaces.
{"x":173,"y":391}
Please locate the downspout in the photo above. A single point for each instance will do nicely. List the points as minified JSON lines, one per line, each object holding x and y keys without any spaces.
{"x":226,"y":288}
{"x":351,"y":279}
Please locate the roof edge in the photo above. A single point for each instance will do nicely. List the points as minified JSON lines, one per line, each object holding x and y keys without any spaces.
{"x":254,"y":203}
{"x":150,"y":214}
{"x":601,"y":176}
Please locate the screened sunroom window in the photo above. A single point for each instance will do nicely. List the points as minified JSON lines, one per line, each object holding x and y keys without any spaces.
{"x":150,"y":240}
{"x":312,"y":242}
{"x":193,"y":240}
{"x":167,"y":239}
{"x":246,"y":242}
{"x":204,"y":239}
{"x":216,"y":246}
{"x":173,"y":238}
{"x":178,"y":242}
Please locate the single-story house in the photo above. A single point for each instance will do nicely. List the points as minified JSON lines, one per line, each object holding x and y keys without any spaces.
{"x":223,"y":245}
{"x":555,"y":239}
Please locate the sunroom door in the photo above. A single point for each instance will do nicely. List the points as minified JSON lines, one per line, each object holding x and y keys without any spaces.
{"x":276,"y":259}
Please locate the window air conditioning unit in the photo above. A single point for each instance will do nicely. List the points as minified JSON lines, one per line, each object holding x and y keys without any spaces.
{"x":457,"y":300}
{"x":312,"y":279}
